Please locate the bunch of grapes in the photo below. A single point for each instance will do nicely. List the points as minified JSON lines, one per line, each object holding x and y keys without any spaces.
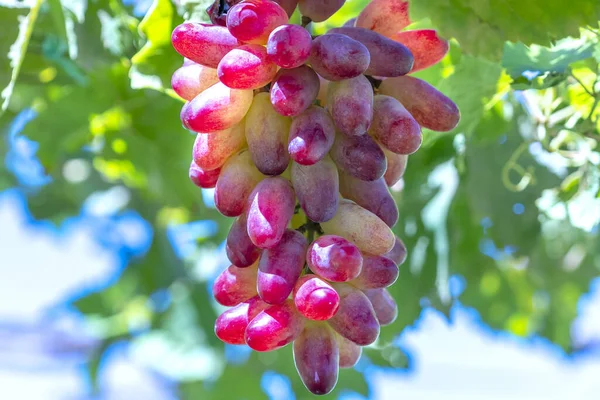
{"x":301,"y":137}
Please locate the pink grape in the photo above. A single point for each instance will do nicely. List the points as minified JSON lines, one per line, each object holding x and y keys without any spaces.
{"x":280,"y":267}
{"x":425,"y":45}
{"x":316,"y":357}
{"x":398,"y":253}
{"x":355,"y":319}
{"x":239,"y":248}
{"x":202,"y":43}
{"x":319,"y":10}
{"x":350,"y":352}
{"x":359,"y":156}
{"x":428,"y":106}
{"x":238,"y":178}
{"x":384,"y":305}
{"x":350,"y":103}
{"x":316,"y":187}
{"x":231,"y":326}
{"x":396,"y":165}
{"x":312,"y":134}
{"x":334,"y":258}
{"x":251,"y":21}
{"x":384,"y":16}
{"x":212,"y":150}
{"x":377,"y":272}
{"x":394,"y":127}
{"x":294,"y":90}
{"x":246,"y":67}
{"x":336,"y":57}
{"x":289,"y":46}
{"x":235,"y":285}
{"x":315,"y":299}
{"x":274,"y":327}
{"x":202,"y":178}
{"x":192,"y":79}
{"x":270,"y":209}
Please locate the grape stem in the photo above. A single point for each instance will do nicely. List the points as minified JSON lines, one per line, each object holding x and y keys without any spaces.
{"x":310,"y":227}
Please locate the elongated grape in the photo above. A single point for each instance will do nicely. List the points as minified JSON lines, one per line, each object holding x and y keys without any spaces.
{"x":386,"y":309}
{"x":312,"y":134}
{"x":217,"y":108}
{"x":294,"y":90}
{"x":239,"y":248}
{"x":289,"y":46}
{"x":192,"y":79}
{"x":251,"y":21}
{"x":388,"y":58}
{"x":202,"y":178}
{"x":274,"y":327}
{"x":371,"y":195}
{"x":362,"y":227}
{"x":316,"y":356}
{"x":334,"y":258}
{"x":398,"y":253}
{"x":394,"y":127}
{"x":246,"y":67}
{"x":315,"y":299}
{"x":396,"y":165}
{"x":350,"y":103}
{"x":350,"y":352}
{"x":319,"y":10}
{"x":426,"y":46}
{"x":280,"y":266}
{"x":238,"y":178}
{"x":267,"y":134}
{"x":211,"y":150}
{"x":316,"y":187}
{"x":430,"y":107}
{"x":270,"y":208}
{"x":377,"y":272}
{"x":359,"y":156}
{"x":235,"y":285}
{"x":231,"y":326}
{"x":202,"y":43}
{"x":336,"y":57}
{"x":355,"y":319}
{"x":288,"y":5}
{"x":386,"y":17}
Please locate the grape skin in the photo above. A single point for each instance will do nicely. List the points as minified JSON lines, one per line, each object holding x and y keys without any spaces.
{"x":212,"y":150}
{"x":289,"y":46}
{"x":317,"y":188}
{"x":350,"y":103}
{"x":246,"y":67}
{"x":231,"y":325}
{"x":239,"y":248}
{"x":274,"y":327}
{"x":192,"y":79}
{"x":336,"y":57}
{"x":396,"y":166}
{"x":202,"y":43}
{"x":426,"y":46}
{"x":235,"y":285}
{"x":377,"y":272}
{"x":315,"y":299}
{"x":312,"y":134}
{"x":384,"y":305}
{"x":294,"y":90}
{"x":251,"y":21}
{"x":359,"y":156}
{"x":202,"y":178}
{"x":334,"y":258}
{"x":386,"y":17}
{"x":350,"y":352}
{"x":398,"y":253}
{"x":394,"y":127}
{"x":319,"y":10}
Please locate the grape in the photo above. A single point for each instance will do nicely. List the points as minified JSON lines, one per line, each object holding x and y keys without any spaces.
{"x":336,"y":57}
{"x":192,"y":79}
{"x":311,"y":136}
{"x":334,"y":258}
{"x":267,"y":135}
{"x":371,"y":195}
{"x":288,"y":5}
{"x":396,"y":165}
{"x":247,"y":67}
{"x":274,"y":327}
{"x":350,"y":103}
{"x":425,"y":45}
{"x":239,"y":248}
{"x":238,"y":178}
{"x":280,"y":267}
{"x":355,"y":319}
{"x":202,"y":43}
{"x":394,"y":127}
{"x":289,"y":46}
{"x":429,"y":107}
{"x":216,"y":109}
{"x":294,"y":90}
{"x":350,"y":22}
{"x":231,"y":326}
{"x":202,"y":178}
{"x":315,"y":298}
{"x":398,"y":253}
{"x":212,"y":150}
{"x":384,"y":305}
{"x":377,"y":272}
{"x":316,"y":356}
{"x":270,"y":208}
{"x":359,"y":156}
{"x":235,"y":285}
{"x":319,"y":10}
{"x":317,"y":188}
{"x":252,"y":21}
{"x":388,"y":58}
{"x":384,"y":16}
{"x":350,"y":352}
{"x":361,"y":227}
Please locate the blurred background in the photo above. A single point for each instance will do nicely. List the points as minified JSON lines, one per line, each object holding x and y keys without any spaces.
{"x":108,"y":252}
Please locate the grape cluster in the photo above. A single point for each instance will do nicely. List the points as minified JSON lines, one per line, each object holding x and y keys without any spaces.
{"x":301,"y":137}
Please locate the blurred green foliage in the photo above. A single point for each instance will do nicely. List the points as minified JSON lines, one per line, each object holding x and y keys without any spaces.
{"x":509,"y":200}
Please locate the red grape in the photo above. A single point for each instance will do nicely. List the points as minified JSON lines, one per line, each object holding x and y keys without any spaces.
{"x":317,"y":189}
{"x":319,"y":10}
{"x":425,"y":45}
{"x":246,"y":67}
{"x":359,"y":156}
{"x":334,"y":258}
{"x":202,"y":178}
{"x":336,"y":57}
{"x":274,"y":327}
{"x":202,"y":43}
{"x":231,"y":326}
{"x":315,"y":299}
{"x":289,"y":46}
{"x":235,"y":285}
{"x":350,"y":103}
{"x":355,"y":319}
{"x":316,"y":356}
{"x":294,"y":90}
{"x":192,"y":79}
{"x":384,"y":16}
{"x":239,"y":248}
{"x":312,"y":134}
{"x":398,"y":253}
{"x":252,"y":21}
{"x":212,"y":150}
{"x":377,"y":272}
{"x":384,"y":305}
{"x":394,"y":127}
